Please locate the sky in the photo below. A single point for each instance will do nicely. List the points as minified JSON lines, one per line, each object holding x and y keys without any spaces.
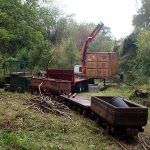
{"x":116,"y":14}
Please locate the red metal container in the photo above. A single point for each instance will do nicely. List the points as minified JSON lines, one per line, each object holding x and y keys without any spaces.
{"x":91,"y":72}
{"x":101,"y":64}
{"x":93,"y":56}
{"x":103,"y":73}
{"x":92,"y":64}
{"x":104,"y":56}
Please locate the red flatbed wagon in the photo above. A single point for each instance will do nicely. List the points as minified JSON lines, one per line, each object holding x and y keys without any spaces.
{"x":77,"y":84}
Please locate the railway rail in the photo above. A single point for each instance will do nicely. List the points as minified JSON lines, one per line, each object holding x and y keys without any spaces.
{"x":138,"y":139}
{"x":116,"y":138}
{"x":143,"y":143}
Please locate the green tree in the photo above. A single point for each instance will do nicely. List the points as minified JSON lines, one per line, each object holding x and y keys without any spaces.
{"x":24,"y":31}
{"x":136,"y":47}
{"x":144,"y":51}
{"x":103,"y":41}
{"x":142,"y":19}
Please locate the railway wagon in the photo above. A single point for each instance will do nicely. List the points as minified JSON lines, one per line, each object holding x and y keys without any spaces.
{"x":129,"y":120}
{"x":51,"y":85}
{"x":79,"y":102}
{"x":77,"y":84}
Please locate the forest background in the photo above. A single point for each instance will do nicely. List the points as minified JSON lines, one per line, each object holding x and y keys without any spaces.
{"x":45,"y":37}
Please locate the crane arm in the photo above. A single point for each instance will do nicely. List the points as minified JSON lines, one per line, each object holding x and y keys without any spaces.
{"x":98,"y":28}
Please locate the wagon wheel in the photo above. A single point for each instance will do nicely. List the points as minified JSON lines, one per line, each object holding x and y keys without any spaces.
{"x":93,"y":116}
{"x":108,"y":130}
{"x":74,"y":107}
{"x":7,"y":87}
{"x":19,"y":89}
{"x":97,"y":119}
{"x":34,"y":92}
{"x":79,"y":110}
{"x":84,"y":112}
{"x":29,"y":89}
{"x":132,"y":132}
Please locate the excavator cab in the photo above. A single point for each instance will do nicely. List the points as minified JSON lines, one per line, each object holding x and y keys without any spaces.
{"x":78,"y":70}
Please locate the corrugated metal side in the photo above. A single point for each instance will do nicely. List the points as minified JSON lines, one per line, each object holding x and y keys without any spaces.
{"x":92,"y":56}
{"x":91,"y":65}
{"x":35,"y":82}
{"x":91,"y":72}
{"x":106,"y":64}
{"x":52,"y":85}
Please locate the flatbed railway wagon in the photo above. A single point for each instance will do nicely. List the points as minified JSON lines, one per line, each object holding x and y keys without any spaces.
{"x":77,"y":84}
{"x":129,"y":120}
{"x":79,"y":103}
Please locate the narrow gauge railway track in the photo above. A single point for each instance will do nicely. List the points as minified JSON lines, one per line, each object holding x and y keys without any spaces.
{"x":142,"y":141}
{"x":57,"y":98}
{"x":139,"y":139}
{"x":119,"y":143}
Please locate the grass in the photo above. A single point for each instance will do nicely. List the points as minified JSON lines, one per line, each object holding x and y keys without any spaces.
{"x":23,"y":128}
{"x":123,"y":90}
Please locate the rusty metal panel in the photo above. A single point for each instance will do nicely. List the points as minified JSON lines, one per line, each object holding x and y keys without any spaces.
{"x":119,"y":116}
{"x":61,"y":74}
{"x":58,"y":86}
{"x":103,"y":65}
{"x":103,"y":73}
{"x":106,"y":64}
{"x":90,"y":65}
{"x":103,"y":110}
{"x":92,"y":56}
{"x":64,"y":87}
{"x":35,"y":82}
{"x":91,"y":72}
{"x":52,"y":85}
{"x":115,"y":64}
{"x":104,"y":56}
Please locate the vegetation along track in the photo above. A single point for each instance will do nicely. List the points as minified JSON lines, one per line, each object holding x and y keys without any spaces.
{"x":118,"y":140}
{"x":138,"y":139}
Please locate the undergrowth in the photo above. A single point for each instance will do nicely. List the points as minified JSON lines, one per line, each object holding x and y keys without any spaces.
{"x":24,"y":128}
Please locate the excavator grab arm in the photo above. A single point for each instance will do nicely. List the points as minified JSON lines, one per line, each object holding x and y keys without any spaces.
{"x":98,"y":28}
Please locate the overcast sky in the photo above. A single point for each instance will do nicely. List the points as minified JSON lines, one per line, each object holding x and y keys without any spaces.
{"x":116,"y":14}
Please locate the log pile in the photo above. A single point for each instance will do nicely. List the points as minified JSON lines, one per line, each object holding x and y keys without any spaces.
{"x":46,"y":104}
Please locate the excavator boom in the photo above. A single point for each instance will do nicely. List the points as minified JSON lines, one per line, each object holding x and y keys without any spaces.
{"x":98,"y":28}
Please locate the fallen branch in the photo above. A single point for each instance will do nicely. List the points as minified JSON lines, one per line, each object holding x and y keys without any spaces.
{"x":40,"y":89}
{"x":46,"y":104}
